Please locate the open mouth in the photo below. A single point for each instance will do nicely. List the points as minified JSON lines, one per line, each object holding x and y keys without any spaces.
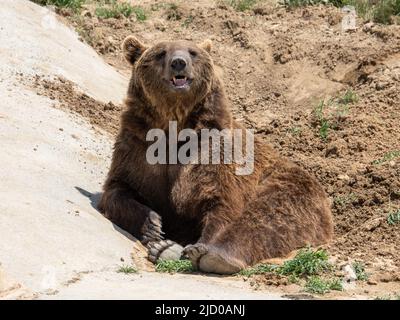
{"x":180,"y":81}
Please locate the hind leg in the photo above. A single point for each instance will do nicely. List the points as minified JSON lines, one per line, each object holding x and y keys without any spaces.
{"x":290,"y":211}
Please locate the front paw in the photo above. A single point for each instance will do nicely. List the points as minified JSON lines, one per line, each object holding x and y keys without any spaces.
{"x":164,"y":250}
{"x":151,"y":229}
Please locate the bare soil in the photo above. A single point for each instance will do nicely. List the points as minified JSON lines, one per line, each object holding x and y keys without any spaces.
{"x":277,"y":66}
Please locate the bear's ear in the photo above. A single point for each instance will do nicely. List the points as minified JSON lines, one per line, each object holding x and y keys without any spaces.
{"x":206,"y":45}
{"x":132,"y":49}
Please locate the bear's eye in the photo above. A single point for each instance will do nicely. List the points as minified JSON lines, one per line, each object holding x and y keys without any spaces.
{"x":193,"y":53}
{"x":161,"y":55}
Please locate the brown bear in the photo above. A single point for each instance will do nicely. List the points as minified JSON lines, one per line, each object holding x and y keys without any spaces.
{"x":226,"y":221}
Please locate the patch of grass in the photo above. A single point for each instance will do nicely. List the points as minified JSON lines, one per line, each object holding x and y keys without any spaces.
{"x":293,"y":279}
{"x":329,"y":113}
{"x":115,"y":9}
{"x":395,"y":296}
{"x":386,"y":297}
{"x":258,"y":269}
{"x":72,"y":4}
{"x":306,"y":263}
{"x":348,"y":97}
{"x":174,"y":266}
{"x":380,"y":11}
{"x":318,"y":285}
{"x":324,"y":129}
{"x":295,"y":131}
{"x":187,"y":21}
{"x":127,"y":269}
{"x":319,"y":110}
{"x":140,"y":13}
{"x":306,"y":268}
{"x":302,"y":3}
{"x":359,"y":269}
{"x":323,"y":122}
{"x":343,"y":201}
{"x":389,"y":156}
{"x":394,"y":217}
{"x":241,"y":5}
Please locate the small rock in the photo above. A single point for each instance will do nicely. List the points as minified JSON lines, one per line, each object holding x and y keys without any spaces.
{"x":372,"y":282}
{"x":332,"y":151}
{"x":349,"y":273}
{"x":371,"y":225}
{"x":343,"y":177}
{"x":368,"y":27}
{"x":87,"y":13}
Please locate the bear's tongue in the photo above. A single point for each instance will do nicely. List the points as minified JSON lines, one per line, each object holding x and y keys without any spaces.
{"x":179,"y":82}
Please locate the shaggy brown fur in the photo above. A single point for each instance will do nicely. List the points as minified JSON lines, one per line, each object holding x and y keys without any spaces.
{"x":231,"y":221}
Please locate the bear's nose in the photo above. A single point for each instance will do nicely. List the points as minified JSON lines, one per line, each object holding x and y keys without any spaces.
{"x":178,"y":64}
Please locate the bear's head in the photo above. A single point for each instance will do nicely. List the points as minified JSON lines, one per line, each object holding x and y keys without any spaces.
{"x":170,"y":71}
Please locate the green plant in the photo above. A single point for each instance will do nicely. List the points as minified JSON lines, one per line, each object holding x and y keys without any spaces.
{"x":187,"y":21}
{"x":72,"y":4}
{"x":293,"y":279}
{"x":324,"y":129}
{"x":306,"y":262}
{"x":348,"y":97}
{"x":380,"y":11}
{"x":386,"y":297}
{"x":395,"y":296}
{"x":127,"y":269}
{"x":359,"y":269}
{"x":140,"y":13}
{"x":295,"y":131}
{"x":258,"y":269}
{"x":318,"y":285}
{"x":394,"y":217}
{"x":323,"y":122}
{"x":241,"y":5}
{"x":329,"y":113}
{"x":173,"y":266}
{"x":389,"y":156}
{"x":302,"y":3}
{"x":115,"y":9}
{"x":344,"y":200}
{"x":319,"y":110}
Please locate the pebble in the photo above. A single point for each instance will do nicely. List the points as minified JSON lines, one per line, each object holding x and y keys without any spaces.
{"x":344,"y":177}
{"x":349,"y":273}
{"x":372,"y":282}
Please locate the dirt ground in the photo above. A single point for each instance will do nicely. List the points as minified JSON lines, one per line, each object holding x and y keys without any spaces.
{"x":278,"y":65}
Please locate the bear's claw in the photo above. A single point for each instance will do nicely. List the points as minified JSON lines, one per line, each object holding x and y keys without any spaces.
{"x":152,"y":229}
{"x":153,"y":239}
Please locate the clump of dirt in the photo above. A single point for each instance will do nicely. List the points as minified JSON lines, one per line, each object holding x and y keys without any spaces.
{"x":278,"y":66}
{"x":69,"y":97}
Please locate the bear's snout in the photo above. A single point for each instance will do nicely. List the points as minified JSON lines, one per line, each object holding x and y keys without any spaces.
{"x":178,"y":64}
